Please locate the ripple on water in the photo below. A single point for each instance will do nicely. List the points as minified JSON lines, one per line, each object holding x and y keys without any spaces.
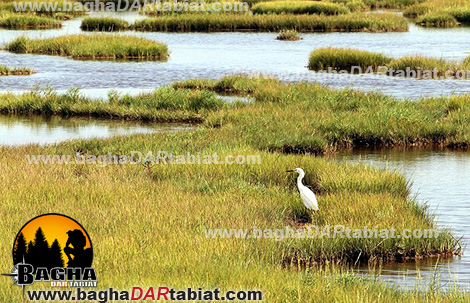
{"x":441,"y":179}
{"x":203,"y":55}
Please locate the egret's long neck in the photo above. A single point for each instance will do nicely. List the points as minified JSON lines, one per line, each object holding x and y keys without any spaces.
{"x":299,"y":180}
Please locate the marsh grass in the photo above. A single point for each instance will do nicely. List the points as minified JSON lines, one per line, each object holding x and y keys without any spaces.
{"x":352,"y":5}
{"x":437,"y":19}
{"x":416,"y":10}
{"x":344,"y":118}
{"x":63,"y":10}
{"x":425,"y":63}
{"x":96,"y":46}
{"x":288,"y":35}
{"x":353,"y":22}
{"x":235,"y":84}
{"x":392,"y":3}
{"x":108,"y":24}
{"x":344,"y":59}
{"x":170,"y":8}
{"x":162,"y":105}
{"x":5,"y":71}
{"x":23,"y":21}
{"x":71,"y":8}
{"x":439,"y":13}
{"x":157,"y":217}
{"x":299,"y":7}
{"x":347,"y":59}
{"x":146,"y":214}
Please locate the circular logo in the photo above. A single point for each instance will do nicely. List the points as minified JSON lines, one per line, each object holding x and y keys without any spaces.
{"x":53,"y":241}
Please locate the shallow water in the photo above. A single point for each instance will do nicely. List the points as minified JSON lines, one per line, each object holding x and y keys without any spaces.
{"x":212,"y":55}
{"x":23,"y":130}
{"x":442,"y":180}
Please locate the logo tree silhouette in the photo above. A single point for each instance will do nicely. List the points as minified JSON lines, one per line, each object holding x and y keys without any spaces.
{"x":38,"y":252}
{"x":19,"y":252}
{"x":56,"y":259}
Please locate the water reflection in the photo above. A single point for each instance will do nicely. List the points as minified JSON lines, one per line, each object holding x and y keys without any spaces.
{"x":440,"y":178}
{"x":22,"y":130}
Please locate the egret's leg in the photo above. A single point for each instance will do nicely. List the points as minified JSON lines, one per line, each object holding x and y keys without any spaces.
{"x":317,"y":218}
{"x":313,"y":218}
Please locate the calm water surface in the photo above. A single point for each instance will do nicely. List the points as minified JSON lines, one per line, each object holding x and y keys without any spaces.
{"x":442,"y":180}
{"x":19,"y":130}
{"x":204,"y":55}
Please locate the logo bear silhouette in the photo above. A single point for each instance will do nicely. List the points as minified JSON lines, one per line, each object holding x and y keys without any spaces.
{"x":75,"y":247}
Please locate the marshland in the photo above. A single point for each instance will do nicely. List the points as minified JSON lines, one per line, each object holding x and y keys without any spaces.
{"x":378,"y":151}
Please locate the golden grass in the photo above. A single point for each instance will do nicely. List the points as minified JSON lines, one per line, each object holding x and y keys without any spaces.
{"x":147,"y":222}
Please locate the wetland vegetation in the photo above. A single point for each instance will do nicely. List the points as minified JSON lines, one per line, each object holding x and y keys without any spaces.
{"x":280,"y":119}
{"x":301,"y":23}
{"x":97,"y":46}
{"x":288,"y":35}
{"x":108,"y":24}
{"x":440,"y":13}
{"x":6,"y":71}
{"x":288,"y":124}
{"x":349,"y":59}
{"x":21,"y":21}
{"x":299,"y":7}
{"x":18,"y":16}
{"x":279,"y":127}
{"x":162,"y":105}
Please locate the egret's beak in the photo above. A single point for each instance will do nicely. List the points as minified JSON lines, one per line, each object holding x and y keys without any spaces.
{"x":290,"y":171}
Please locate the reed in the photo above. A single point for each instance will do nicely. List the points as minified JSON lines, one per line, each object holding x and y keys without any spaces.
{"x":345,"y":118}
{"x":104,"y":24}
{"x":353,"y":22}
{"x":353,"y":5}
{"x":208,"y":7}
{"x":44,"y":7}
{"x":22,"y":21}
{"x":5,"y":71}
{"x":437,"y":20}
{"x":96,"y":47}
{"x":358,"y":61}
{"x":162,"y":105}
{"x":416,"y":63}
{"x":392,"y":3}
{"x":345,"y":59}
{"x":417,"y":10}
{"x":299,"y":7}
{"x":288,"y":35}
{"x":440,"y":13}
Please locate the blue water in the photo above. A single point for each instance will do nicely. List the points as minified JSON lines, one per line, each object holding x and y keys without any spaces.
{"x":212,"y":55}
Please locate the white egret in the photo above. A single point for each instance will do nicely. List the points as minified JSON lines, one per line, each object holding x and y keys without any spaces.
{"x":308,"y":197}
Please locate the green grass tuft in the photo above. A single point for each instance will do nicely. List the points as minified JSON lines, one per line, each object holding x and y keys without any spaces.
{"x":5,"y":71}
{"x":353,"y":22}
{"x":344,"y":59}
{"x":97,"y":47}
{"x":331,"y":59}
{"x":162,"y":105}
{"x":299,"y":7}
{"x":104,"y":24}
{"x":23,"y":21}
{"x":288,"y":35}
{"x":437,"y":20}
